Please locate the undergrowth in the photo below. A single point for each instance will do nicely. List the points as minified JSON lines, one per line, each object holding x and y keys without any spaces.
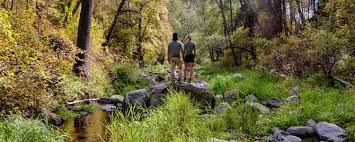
{"x":177,"y":120}
{"x":18,"y":129}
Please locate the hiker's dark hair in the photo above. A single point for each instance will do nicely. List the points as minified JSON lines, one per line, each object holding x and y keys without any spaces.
{"x":175,"y":36}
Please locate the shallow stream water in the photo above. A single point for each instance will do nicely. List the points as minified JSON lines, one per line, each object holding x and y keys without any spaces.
{"x":88,"y":128}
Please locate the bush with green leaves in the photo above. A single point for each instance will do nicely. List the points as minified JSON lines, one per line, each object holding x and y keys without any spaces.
{"x":18,"y":129}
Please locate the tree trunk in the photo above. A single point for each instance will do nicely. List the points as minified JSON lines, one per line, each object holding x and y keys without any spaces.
{"x":76,"y":7}
{"x":226,"y":29}
{"x":277,"y":7}
{"x":140,"y":40}
{"x":231,"y":15}
{"x":114,"y":23}
{"x":225,"y":25}
{"x":299,"y":8}
{"x":292,"y":14}
{"x":284,"y":17}
{"x":12,"y":4}
{"x":83,"y":40}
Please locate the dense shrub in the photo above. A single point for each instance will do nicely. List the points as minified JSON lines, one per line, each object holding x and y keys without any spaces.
{"x":315,"y":51}
{"x":31,"y":68}
{"x":37,"y":57}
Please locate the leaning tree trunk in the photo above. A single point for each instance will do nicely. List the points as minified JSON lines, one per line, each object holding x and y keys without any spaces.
{"x":83,"y":40}
{"x":114,"y":23}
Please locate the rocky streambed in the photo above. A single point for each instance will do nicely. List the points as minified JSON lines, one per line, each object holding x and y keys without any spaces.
{"x":91,"y":127}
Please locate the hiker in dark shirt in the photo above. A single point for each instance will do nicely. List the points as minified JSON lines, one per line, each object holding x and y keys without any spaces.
{"x":189,"y":56}
{"x":175,"y":51}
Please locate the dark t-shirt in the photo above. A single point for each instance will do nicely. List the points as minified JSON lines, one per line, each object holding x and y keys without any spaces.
{"x":175,"y":48}
{"x":190,"y":48}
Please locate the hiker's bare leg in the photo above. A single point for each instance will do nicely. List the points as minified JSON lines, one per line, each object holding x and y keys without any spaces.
{"x":191,"y":70}
{"x":180,"y":69}
{"x":185,"y":69}
{"x":172,"y":69}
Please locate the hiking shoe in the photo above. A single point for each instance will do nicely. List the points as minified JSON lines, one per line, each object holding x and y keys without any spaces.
{"x":189,"y":80}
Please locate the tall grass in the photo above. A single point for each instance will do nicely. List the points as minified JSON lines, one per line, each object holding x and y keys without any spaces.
{"x":177,"y":120}
{"x":260,"y":83}
{"x":18,"y":129}
{"x":128,"y":78}
{"x":321,"y":105}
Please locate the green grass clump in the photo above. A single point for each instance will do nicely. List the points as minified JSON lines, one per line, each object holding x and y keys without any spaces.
{"x":18,"y":129}
{"x":128,"y":78}
{"x":177,"y":120}
{"x":260,"y":83}
{"x":321,"y":105}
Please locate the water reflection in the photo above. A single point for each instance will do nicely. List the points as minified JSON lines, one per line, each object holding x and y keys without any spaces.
{"x":88,"y":127}
{"x":311,"y":139}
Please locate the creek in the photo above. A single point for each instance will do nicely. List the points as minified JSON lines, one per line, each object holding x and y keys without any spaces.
{"x":88,"y":127}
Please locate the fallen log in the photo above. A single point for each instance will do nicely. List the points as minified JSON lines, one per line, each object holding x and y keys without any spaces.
{"x":81,"y":101}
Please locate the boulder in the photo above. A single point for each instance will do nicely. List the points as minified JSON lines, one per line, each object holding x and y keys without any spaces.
{"x":83,"y":113}
{"x":222,"y":107}
{"x":278,"y":135}
{"x":301,"y":131}
{"x":291,"y":138}
{"x":260,"y":107}
{"x":108,"y":107}
{"x":137,"y":98}
{"x":293,"y":90}
{"x":197,"y":91}
{"x":274,"y":102}
{"x":311,"y":123}
{"x":218,"y":97}
{"x":251,"y":98}
{"x":231,"y":95}
{"x":52,"y":118}
{"x":157,"y":94}
{"x":293,"y":99}
{"x":330,"y":132}
{"x":281,"y":136}
{"x":238,"y":76}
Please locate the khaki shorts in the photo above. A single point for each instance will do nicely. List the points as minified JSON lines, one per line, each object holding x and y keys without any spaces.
{"x":175,"y":61}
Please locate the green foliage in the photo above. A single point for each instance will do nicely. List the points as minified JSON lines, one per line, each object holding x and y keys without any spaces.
{"x":315,"y":51}
{"x":18,"y":129}
{"x":89,"y":108}
{"x":176,"y":120}
{"x":260,"y":83}
{"x":37,"y":58}
{"x":128,"y":78}
{"x":64,"y":113}
{"x":321,"y":105}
